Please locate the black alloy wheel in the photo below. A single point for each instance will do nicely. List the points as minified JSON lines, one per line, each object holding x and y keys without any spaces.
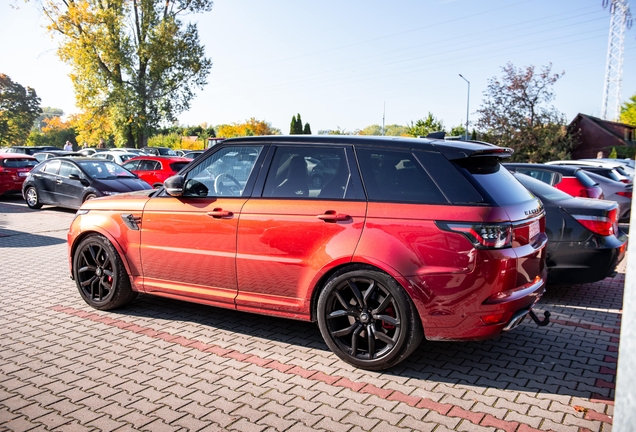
{"x":367,"y":319}
{"x":100,"y":275}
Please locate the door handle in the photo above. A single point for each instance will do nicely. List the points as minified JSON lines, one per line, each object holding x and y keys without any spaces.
{"x":219,"y":213}
{"x":333,"y":216}
{"x":58,"y":181}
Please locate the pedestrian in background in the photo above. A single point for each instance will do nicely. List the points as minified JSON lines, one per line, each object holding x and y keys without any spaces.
{"x":68,"y":146}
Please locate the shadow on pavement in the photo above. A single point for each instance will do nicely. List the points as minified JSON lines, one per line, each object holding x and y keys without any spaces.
{"x":18,"y":239}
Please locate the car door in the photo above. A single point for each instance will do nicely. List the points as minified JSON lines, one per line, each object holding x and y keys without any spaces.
{"x":69,"y":191}
{"x":295,"y":230}
{"x":188,"y":243}
{"x":45,"y":181}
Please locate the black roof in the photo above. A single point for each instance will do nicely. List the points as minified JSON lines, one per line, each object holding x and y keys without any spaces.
{"x":450,"y":149}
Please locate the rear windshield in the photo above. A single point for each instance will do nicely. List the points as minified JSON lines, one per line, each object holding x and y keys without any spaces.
{"x":178,"y":166}
{"x":541,"y":189}
{"x":585,"y":179}
{"x":18,"y":163}
{"x":495,"y":180}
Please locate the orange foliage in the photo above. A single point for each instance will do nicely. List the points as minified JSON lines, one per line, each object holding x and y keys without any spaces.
{"x":53,"y":124}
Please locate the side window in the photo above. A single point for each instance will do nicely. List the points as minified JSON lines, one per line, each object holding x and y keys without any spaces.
{"x":132,"y":165}
{"x":223,"y":173}
{"x":390,"y":175}
{"x":544,"y":176}
{"x":309,"y":172}
{"x":147,"y":165}
{"x":52,"y":167}
{"x":66,"y":169}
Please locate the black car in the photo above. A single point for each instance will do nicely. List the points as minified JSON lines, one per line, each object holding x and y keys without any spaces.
{"x":68,"y":182}
{"x":159,"y":151}
{"x":30,"y":150}
{"x":585,"y":243}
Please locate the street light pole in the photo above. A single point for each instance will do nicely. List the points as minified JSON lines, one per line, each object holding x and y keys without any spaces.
{"x":467,"y":104}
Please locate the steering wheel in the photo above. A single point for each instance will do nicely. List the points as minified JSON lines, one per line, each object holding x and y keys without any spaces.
{"x":220,"y":188}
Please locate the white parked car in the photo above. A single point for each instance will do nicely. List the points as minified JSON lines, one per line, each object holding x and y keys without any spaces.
{"x":119,"y":157}
{"x":623,"y":172}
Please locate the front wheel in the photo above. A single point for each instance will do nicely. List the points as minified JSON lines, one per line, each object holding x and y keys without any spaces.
{"x":32,"y":198}
{"x":367,"y":319}
{"x":100,"y":274}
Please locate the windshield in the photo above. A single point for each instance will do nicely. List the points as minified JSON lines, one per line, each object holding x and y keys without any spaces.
{"x":103,"y":170}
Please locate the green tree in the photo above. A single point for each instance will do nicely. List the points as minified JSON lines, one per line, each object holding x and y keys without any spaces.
{"x":516,"y":112}
{"x":423,"y":127}
{"x":293,"y":127}
{"x":458,"y":131}
{"x":19,"y":108}
{"x":628,"y":112}
{"x":134,"y":63}
{"x":613,"y":154}
{"x":307,"y":129}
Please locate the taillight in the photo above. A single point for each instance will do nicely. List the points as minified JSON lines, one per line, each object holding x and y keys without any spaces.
{"x":628,"y":181}
{"x":599,"y":224}
{"x":583,"y":193}
{"x":482,"y":235}
{"x":624,"y":194}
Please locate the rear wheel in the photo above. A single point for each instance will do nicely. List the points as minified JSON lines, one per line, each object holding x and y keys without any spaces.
{"x":32,"y":198}
{"x":100,"y":275}
{"x":367,"y":319}
{"x":90,"y":197}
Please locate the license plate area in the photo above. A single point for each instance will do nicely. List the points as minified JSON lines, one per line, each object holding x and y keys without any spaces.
{"x":534,"y":230}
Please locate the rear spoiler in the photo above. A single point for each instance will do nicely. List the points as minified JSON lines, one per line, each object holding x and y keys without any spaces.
{"x":456,"y":149}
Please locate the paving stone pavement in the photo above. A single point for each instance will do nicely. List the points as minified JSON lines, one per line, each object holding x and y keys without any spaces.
{"x":164,"y":365}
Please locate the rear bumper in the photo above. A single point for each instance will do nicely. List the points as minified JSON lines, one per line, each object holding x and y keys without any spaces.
{"x":575,"y":263}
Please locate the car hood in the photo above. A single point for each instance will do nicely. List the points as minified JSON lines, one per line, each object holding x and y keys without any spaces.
{"x":132,"y":201}
{"x":122,"y":184}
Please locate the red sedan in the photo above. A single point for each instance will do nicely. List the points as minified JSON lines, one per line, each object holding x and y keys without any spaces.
{"x":154,"y":170}
{"x":14,"y":168}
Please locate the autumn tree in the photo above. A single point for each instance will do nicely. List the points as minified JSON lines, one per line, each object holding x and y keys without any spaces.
{"x":134,"y":63}
{"x":250,"y":127}
{"x":19,"y":108}
{"x":54,"y":132}
{"x":628,"y":112}
{"x":517,"y":113}
{"x":47,"y":113}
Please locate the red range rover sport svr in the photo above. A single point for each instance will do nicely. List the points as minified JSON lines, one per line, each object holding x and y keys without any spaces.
{"x":403,"y":239}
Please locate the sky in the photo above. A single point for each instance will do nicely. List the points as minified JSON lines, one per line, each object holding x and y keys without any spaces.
{"x":346,"y":64}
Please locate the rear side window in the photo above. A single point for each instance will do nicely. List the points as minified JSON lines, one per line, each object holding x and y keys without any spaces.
{"x":397,"y":176}
{"x":584,"y":178}
{"x":18,"y":163}
{"x":178,"y":166}
{"x":132,"y":165}
{"x":495,"y":180}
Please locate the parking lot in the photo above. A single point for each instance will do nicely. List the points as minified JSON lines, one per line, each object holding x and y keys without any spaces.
{"x":160,"y":364}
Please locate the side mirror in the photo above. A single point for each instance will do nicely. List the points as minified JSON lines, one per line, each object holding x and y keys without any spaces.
{"x":174,"y":186}
{"x":74,"y":177}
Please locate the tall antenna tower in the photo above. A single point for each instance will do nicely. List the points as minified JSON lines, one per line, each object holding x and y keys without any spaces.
{"x":621,"y":19}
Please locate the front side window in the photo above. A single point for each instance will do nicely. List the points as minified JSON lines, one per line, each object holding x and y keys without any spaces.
{"x":66,"y":169}
{"x":224,"y":173}
{"x":132,"y":165}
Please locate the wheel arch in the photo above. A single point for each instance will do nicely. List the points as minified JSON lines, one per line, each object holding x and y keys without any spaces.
{"x":413,"y":295}
{"x":99,"y":231}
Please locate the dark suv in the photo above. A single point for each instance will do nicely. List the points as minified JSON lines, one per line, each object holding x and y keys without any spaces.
{"x":30,"y":150}
{"x":405,"y":239}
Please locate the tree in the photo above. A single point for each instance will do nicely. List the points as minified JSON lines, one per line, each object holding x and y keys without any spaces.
{"x":54,"y":132}
{"x":19,"y":107}
{"x":250,"y":127}
{"x":47,"y":113}
{"x":307,"y":129}
{"x":628,"y":112}
{"x":134,"y":63}
{"x":516,"y":113}
{"x":296,"y":126}
{"x":423,"y":127}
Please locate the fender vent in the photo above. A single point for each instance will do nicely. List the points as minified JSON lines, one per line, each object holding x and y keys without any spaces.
{"x":131,"y":221}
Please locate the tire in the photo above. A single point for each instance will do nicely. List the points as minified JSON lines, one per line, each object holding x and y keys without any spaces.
{"x":89,"y":197}
{"x":32,"y":198}
{"x":358,"y":301}
{"x":100,"y":274}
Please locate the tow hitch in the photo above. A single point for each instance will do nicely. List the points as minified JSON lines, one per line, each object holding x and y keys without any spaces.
{"x":535,"y":318}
